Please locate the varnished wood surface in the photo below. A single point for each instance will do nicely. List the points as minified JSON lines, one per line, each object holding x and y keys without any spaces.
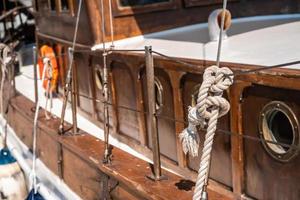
{"x":83,"y":153}
{"x":135,"y":21}
{"x":265,"y":177}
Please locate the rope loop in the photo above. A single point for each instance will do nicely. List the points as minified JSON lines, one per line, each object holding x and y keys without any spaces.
{"x":215,"y":81}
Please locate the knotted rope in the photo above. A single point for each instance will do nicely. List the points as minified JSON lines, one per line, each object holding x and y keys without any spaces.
{"x":210,"y":106}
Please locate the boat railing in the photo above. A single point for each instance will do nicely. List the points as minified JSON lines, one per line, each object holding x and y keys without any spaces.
{"x":152,"y":115}
{"x":12,"y":26}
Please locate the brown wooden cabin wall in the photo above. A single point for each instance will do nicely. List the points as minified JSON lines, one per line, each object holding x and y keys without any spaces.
{"x":134,"y":21}
{"x":165,"y":126}
{"x":128,"y":89}
{"x":241,"y":166}
{"x":188,"y":12}
{"x":138,"y":20}
{"x":125,"y":96}
{"x":267,"y":178}
{"x":61,"y":24}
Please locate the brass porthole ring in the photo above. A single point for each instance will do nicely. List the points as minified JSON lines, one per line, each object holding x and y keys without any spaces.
{"x":279,"y":125}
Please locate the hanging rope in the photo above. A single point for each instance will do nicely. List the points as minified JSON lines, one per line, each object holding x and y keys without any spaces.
{"x":48,"y":73}
{"x":35,"y":123}
{"x":210,"y":106}
{"x":111,"y":25}
{"x":6,"y":59}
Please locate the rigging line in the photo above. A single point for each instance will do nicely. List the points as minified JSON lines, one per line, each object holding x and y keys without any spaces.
{"x":70,"y":69}
{"x":110,"y":104}
{"x":110,"y":50}
{"x":221,"y":33}
{"x":174,"y":59}
{"x":219,"y":131}
{"x":76,"y":26}
{"x":266,"y":68}
{"x":103,"y":27}
{"x":128,"y":50}
{"x":295,"y":147}
{"x":236,"y":134}
{"x":111,"y":25}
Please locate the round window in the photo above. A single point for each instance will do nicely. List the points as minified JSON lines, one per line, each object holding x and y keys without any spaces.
{"x":278,"y":126}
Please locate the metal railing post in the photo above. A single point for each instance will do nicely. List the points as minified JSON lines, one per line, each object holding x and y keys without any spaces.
{"x":107,"y":150}
{"x":73,"y":95}
{"x":151,"y":118}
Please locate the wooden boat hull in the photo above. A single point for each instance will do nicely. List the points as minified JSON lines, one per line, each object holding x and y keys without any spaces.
{"x":78,"y":161}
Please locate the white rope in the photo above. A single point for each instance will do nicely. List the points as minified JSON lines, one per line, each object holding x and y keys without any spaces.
{"x":49,"y":72}
{"x":6,"y":59}
{"x":35,"y":123}
{"x":214,"y":106}
{"x":210,"y":106}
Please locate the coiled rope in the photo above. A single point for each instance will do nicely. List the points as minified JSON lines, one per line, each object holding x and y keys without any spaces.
{"x":210,"y":106}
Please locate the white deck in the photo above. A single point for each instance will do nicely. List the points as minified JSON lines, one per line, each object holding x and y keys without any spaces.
{"x":252,"y":40}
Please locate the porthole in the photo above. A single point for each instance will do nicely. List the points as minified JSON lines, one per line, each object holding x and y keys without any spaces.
{"x":278,"y":124}
{"x":158,"y":95}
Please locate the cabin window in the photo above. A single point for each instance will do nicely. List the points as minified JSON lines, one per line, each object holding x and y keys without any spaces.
{"x":140,"y":2}
{"x":279,"y":125}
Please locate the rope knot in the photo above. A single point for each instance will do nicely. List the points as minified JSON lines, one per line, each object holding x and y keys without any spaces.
{"x":215,"y":81}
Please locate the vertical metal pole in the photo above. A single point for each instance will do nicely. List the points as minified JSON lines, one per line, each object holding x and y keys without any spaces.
{"x":36,"y":93}
{"x":66,"y":92}
{"x":107,"y":152}
{"x":151,"y":119}
{"x":73,"y":96}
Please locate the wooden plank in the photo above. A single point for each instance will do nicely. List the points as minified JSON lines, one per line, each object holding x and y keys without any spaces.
{"x":175,"y":78}
{"x":84,"y":152}
{"x":237,"y":151}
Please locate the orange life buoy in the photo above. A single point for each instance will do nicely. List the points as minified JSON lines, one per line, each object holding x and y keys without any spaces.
{"x":47,"y":51}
